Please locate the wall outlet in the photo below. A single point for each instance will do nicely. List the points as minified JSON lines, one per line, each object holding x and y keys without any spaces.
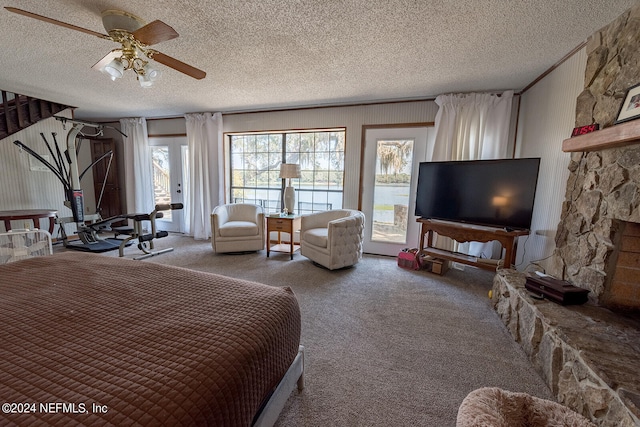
{"x":36,"y":166}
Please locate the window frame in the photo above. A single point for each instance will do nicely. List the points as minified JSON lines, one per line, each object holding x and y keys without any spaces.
{"x":326,"y":146}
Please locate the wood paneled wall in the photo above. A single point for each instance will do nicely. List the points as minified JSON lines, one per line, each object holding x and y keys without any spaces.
{"x":547,"y":116}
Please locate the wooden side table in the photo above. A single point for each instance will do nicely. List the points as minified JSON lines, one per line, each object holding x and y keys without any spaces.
{"x":282,"y":224}
{"x":28,"y":214}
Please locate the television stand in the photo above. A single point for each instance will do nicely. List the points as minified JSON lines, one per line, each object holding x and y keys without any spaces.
{"x":462,"y":232}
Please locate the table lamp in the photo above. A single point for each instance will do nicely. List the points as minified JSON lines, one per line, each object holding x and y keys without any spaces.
{"x":288,"y":171}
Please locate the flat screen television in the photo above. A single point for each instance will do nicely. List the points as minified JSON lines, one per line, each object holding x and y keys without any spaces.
{"x":496,"y":193}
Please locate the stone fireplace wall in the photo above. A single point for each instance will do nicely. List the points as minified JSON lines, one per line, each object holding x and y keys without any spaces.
{"x":603,"y":188}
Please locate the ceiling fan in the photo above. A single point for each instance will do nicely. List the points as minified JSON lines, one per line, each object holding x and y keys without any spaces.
{"x":135,"y":37}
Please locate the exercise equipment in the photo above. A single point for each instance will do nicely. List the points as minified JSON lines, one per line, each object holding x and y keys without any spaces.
{"x":137,"y":232}
{"x":64,"y":165}
{"x":65,"y":168}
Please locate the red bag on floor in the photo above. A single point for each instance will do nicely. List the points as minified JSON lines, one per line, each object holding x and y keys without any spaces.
{"x":409,"y":259}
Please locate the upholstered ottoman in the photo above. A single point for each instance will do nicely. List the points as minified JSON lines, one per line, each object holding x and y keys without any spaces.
{"x":494,"y":407}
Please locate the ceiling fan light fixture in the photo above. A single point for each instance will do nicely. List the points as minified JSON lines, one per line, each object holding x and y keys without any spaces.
{"x":150,"y":72}
{"x":115,"y":69}
{"x":145,"y":81}
{"x":135,"y":36}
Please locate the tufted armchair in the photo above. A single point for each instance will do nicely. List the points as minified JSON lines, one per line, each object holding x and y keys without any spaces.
{"x":333,"y":238}
{"x":237,"y":227}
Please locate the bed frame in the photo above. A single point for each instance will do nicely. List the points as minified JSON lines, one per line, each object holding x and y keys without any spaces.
{"x":294,"y":376}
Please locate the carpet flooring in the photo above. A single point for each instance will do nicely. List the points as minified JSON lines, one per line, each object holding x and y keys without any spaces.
{"x":383,"y":346}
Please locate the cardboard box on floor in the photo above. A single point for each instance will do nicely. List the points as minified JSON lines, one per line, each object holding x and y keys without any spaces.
{"x":434,"y":265}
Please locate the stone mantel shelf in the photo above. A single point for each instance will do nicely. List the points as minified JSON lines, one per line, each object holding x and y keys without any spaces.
{"x":613,"y":136}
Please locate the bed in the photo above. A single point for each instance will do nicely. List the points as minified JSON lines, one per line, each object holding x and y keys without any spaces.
{"x":90,"y":339}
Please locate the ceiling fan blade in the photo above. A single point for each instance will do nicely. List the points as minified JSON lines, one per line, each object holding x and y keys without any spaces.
{"x":178,"y":65}
{"x":56,"y":22}
{"x":154,"y":32}
{"x":115,"y":53}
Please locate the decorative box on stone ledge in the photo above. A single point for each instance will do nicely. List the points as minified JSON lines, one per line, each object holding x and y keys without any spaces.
{"x":558,"y":291}
{"x":588,"y":355}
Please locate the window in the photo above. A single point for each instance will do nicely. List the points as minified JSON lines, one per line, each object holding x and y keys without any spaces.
{"x":255,"y":168}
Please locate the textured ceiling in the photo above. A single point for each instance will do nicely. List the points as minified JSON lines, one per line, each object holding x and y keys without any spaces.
{"x":271,"y":54}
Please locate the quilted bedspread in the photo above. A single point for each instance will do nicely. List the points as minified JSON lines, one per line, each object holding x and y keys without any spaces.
{"x":94,"y":340}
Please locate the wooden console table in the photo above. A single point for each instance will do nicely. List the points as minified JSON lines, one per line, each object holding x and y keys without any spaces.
{"x":28,"y":214}
{"x":461,"y":232}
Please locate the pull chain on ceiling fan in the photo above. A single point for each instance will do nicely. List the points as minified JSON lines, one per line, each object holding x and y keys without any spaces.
{"x":135,"y":38}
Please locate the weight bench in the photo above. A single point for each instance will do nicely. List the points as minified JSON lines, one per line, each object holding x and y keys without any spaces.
{"x":145,"y":241}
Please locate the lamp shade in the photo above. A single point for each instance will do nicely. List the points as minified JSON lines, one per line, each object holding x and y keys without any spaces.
{"x":150,"y":72}
{"x":145,"y":81}
{"x":115,"y":68}
{"x":289,"y":170}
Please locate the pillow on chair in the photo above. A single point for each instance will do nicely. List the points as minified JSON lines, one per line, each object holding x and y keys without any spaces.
{"x":238,"y":228}
{"x":317,"y":236}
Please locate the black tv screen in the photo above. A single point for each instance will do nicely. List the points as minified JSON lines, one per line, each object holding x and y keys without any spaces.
{"x":486,"y":192}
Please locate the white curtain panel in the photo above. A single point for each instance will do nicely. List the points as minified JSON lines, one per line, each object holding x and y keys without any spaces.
{"x":138,"y":167}
{"x":205,"y":188}
{"x":473,"y":126}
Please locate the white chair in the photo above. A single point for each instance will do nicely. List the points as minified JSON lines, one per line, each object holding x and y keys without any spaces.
{"x":332,"y":238}
{"x":237,"y":227}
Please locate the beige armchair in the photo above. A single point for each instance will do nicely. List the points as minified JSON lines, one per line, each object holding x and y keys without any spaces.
{"x":333,"y":238}
{"x":237,"y":227}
